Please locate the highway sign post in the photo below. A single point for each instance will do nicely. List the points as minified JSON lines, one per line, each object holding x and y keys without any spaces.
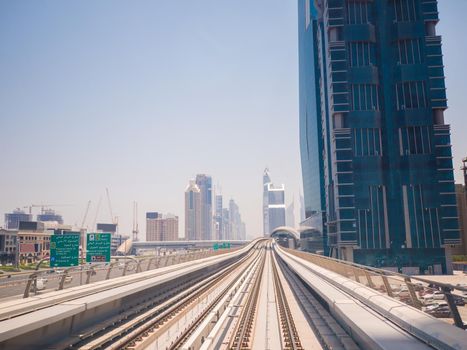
{"x":98,"y":247}
{"x":64,"y":250}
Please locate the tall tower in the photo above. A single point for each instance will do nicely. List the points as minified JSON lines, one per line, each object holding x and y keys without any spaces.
{"x":204,"y":183}
{"x":193,"y":212}
{"x":276,"y":206}
{"x":375,"y":148}
{"x":218,"y":219}
{"x":266,"y":181}
{"x":290,"y":214}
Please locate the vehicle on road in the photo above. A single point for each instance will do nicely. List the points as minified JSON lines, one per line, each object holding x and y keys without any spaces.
{"x":40,"y":284}
{"x":428,"y":298}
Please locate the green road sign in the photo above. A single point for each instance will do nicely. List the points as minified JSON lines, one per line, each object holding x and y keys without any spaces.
{"x":223,"y":245}
{"x":64,"y":250}
{"x":98,"y":247}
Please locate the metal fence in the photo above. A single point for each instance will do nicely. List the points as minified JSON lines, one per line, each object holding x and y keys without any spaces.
{"x":41,"y":281}
{"x":438,"y":299}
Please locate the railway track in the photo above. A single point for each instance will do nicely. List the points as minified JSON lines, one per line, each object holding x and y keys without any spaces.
{"x":262,"y":299}
{"x":291,"y":339}
{"x":244,"y":328}
{"x":144,"y":328}
{"x":328,"y":331}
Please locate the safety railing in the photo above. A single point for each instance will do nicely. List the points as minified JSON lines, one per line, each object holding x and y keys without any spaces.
{"x":441,"y":300}
{"x":42,"y":281}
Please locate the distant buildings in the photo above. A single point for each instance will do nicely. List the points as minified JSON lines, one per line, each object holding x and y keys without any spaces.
{"x":273,"y":204}
{"x":108,"y":228}
{"x":204,"y":183}
{"x":290,"y":215}
{"x":49,"y":215}
{"x":161,"y":227}
{"x":193,"y":212}
{"x":375,"y":149}
{"x":276,"y":206}
{"x":226,"y":226}
{"x":266,"y":182}
{"x":8,"y":246}
{"x":461,"y":200}
{"x":218,"y":219}
{"x":236,"y":225}
{"x":204,"y":223}
{"x":12,"y":219}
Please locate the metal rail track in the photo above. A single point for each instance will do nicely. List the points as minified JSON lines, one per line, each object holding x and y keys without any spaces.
{"x":328,"y":331}
{"x":185,"y":335}
{"x":291,"y":339}
{"x":129,"y":327}
{"x":136,"y":332}
{"x":242,"y":338}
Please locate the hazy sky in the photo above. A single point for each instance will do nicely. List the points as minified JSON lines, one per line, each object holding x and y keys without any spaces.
{"x":140,"y":96}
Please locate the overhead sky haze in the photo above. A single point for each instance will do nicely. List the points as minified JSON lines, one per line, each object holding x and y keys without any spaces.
{"x":139,"y":97}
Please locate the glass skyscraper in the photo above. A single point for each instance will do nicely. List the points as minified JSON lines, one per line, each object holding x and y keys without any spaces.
{"x":375,"y":149}
{"x":204,"y":183}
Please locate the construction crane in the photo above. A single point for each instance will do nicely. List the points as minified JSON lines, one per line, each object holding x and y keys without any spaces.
{"x":42,"y":206}
{"x":113,"y":218}
{"x":97,"y":213}
{"x":135,"y":222}
{"x":85,"y":214}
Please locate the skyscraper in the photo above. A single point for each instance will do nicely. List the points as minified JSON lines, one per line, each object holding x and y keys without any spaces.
{"x":226,"y":224}
{"x":193,"y":212}
{"x":204,"y":183}
{"x":276,"y":206}
{"x":234,"y":220}
{"x":375,"y":150}
{"x":290,"y":214}
{"x":266,"y":181}
{"x":218,"y":218}
{"x":237,"y":228}
{"x":273,"y":204}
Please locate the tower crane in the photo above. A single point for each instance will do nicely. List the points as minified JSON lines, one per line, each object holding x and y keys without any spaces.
{"x":109,"y":203}
{"x":42,"y":206}
{"x":85,"y":214}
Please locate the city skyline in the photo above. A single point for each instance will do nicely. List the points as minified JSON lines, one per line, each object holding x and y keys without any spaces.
{"x":97,"y":130}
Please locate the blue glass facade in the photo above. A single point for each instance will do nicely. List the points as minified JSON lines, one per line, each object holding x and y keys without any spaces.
{"x":311,"y":137}
{"x":376,"y":153}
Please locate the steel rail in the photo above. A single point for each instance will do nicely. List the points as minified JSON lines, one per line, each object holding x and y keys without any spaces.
{"x":327,"y":330}
{"x":144,"y":325}
{"x":291,"y":339}
{"x":243,"y":328}
{"x":185,"y":335}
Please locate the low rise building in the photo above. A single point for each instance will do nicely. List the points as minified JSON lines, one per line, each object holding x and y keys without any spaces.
{"x":34,"y":239}
{"x":8,"y":246}
{"x":13,"y":219}
{"x":161,"y":227}
{"x":33,"y":246}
